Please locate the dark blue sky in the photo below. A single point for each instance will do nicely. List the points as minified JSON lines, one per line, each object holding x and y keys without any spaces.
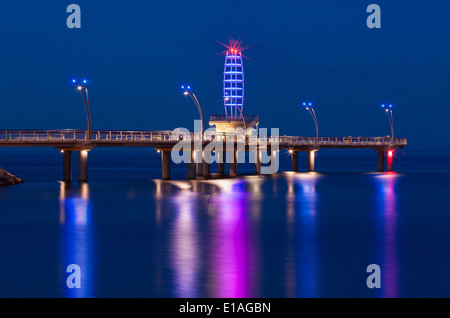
{"x":136,"y":53}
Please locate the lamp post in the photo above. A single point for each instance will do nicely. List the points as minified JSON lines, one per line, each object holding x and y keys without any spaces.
{"x":310,"y":108}
{"x":388,"y":110}
{"x":188,"y":92}
{"x":82,"y":87}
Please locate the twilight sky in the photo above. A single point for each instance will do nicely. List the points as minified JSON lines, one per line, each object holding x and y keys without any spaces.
{"x":137,"y":53}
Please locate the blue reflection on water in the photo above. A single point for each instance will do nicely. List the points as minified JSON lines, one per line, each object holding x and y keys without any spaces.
{"x":386,"y":198}
{"x":184,"y":250}
{"x":301,"y":212}
{"x":76,"y":245}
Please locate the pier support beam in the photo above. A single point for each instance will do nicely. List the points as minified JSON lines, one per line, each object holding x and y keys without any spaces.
{"x":206,"y":164}
{"x":311,"y":157}
{"x":380,"y":161}
{"x":294,"y":161}
{"x":221,"y":163}
{"x":257,"y":162}
{"x":165,"y":158}
{"x":83,"y":166}
{"x":389,"y":160}
{"x":234,"y":163}
{"x":199,"y":154}
{"x":191,"y":166}
{"x":67,"y":165}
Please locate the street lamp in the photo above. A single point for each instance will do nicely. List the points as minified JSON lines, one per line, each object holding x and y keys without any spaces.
{"x":310,"y":107}
{"x":388,"y":110}
{"x":188,"y":92}
{"x":82,"y":87}
{"x":227,"y":98}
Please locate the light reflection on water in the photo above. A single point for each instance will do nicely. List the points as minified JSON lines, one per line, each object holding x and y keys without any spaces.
{"x":288,"y":235}
{"x":76,"y":243}
{"x":230,"y":250}
{"x":185,"y":247}
{"x":213,"y":233}
{"x":387,"y":207}
{"x":301,"y":199}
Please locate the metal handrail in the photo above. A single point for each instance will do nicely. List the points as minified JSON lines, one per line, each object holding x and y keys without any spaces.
{"x":37,"y":135}
{"x":233,"y":118}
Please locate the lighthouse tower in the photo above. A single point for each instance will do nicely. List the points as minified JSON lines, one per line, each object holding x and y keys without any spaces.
{"x":233,"y":94}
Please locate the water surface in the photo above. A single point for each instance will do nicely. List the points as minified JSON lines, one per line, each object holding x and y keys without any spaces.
{"x":286,"y":235}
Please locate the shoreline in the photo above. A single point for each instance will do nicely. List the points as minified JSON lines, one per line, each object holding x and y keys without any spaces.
{"x":7,"y":178}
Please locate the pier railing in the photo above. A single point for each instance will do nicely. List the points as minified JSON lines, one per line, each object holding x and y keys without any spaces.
{"x":68,"y":135}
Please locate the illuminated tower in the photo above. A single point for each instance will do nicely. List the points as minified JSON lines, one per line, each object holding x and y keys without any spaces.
{"x":233,"y":93}
{"x":233,"y":83}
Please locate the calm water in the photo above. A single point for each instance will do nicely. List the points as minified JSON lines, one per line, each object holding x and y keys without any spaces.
{"x":287,"y":235}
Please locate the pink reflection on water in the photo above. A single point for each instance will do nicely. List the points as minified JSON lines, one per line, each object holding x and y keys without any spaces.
{"x":388,"y":207}
{"x":230,"y":253}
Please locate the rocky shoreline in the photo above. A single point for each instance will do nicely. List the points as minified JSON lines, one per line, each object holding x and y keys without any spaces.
{"x":8,"y":179}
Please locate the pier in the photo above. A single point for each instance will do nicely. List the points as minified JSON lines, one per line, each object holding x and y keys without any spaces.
{"x":68,"y":141}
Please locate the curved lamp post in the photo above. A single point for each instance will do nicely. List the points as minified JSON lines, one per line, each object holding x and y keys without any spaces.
{"x":188,"y":92}
{"x":82,"y":87}
{"x":388,"y":110}
{"x":310,"y":107}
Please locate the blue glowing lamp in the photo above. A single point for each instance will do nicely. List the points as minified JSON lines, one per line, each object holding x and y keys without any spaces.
{"x":307,"y":105}
{"x":186,"y":88}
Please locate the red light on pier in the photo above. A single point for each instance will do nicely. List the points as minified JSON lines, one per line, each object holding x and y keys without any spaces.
{"x":390,"y":153}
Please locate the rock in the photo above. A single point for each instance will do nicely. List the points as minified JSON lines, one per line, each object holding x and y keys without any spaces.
{"x":8,"y":179}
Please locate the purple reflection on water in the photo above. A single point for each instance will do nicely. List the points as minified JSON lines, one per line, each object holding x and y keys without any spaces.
{"x":74,"y":219}
{"x":230,"y":253}
{"x":387,"y":198}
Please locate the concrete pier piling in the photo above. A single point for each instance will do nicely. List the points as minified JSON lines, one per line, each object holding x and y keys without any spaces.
{"x":165,"y":158}
{"x":67,"y":165}
{"x":389,"y":160}
{"x":221,"y":163}
{"x":191,"y":166}
{"x":380,"y":161}
{"x":199,"y":161}
{"x":257,"y":162}
{"x":83,"y":166}
{"x":234,"y":163}
{"x":294,"y":155}
{"x":311,"y":159}
{"x":206,"y":165}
